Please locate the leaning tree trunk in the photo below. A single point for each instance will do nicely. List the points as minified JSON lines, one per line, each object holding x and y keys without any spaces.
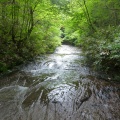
{"x":88,"y":15}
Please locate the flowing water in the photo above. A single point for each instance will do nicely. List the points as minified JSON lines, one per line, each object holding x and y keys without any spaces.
{"x":58,"y":87}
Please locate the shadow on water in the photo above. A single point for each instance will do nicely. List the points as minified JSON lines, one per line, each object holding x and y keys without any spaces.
{"x":58,"y":87}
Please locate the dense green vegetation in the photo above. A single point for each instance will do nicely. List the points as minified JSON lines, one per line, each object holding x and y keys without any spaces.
{"x":95,"y":26}
{"x":29,"y":28}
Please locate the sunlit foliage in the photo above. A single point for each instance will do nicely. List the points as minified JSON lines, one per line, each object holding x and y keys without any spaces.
{"x":94,"y":25}
{"x":27,"y":28}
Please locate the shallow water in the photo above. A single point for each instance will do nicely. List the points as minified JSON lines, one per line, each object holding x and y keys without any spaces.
{"x":58,"y":87}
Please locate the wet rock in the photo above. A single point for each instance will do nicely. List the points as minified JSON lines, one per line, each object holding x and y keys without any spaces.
{"x":58,"y":87}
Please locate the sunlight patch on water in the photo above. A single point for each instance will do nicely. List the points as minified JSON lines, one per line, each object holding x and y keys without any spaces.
{"x":65,"y":49}
{"x":61,"y":93}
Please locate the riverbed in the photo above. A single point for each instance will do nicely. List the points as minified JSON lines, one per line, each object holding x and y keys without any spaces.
{"x":58,"y":87}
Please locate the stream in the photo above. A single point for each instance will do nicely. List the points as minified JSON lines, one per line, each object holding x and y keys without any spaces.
{"x":58,"y":87}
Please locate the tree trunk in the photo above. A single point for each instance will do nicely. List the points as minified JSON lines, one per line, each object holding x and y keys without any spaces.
{"x":88,"y":15}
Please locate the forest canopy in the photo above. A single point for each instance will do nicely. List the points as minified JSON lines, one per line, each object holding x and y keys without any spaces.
{"x":95,"y":26}
{"x":29,"y":28}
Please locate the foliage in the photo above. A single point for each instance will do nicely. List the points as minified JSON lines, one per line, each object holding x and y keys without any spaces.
{"x":94,"y":25}
{"x":27,"y":28}
{"x":103,"y":49}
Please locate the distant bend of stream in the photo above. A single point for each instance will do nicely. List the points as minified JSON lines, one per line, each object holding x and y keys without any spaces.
{"x":58,"y":87}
